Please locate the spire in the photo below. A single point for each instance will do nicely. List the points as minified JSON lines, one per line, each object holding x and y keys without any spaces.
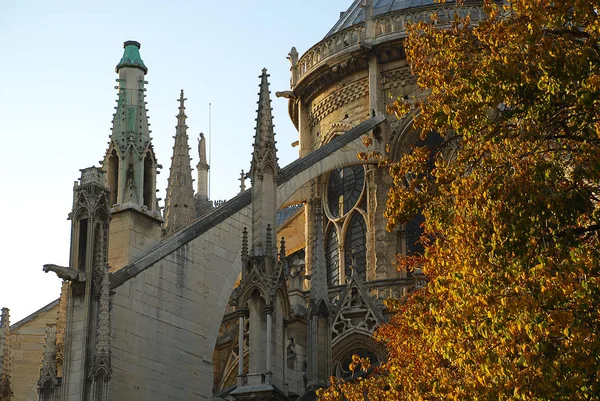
{"x":5,"y":360}
{"x":318,"y":288}
{"x":264,"y":153}
{"x":48,"y":369}
{"x":61,"y":326}
{"x":129,"y":161}
{"x":180,"y":204}
{"x":101,"y":364}
{"x":263,"y":172}
{"x":318,"y":322}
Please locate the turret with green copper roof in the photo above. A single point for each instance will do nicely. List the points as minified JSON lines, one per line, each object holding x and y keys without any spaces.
{"x":131,"y":57}
{"x":130,"y":163}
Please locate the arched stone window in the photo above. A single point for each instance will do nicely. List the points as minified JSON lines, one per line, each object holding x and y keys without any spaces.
{"x":341,"y":368}
{"x":344,"y":188}
{"x":332,"y":256}
{"x":46,"y":391}
{"x":345,"y":236}
{"x":355,"y":252}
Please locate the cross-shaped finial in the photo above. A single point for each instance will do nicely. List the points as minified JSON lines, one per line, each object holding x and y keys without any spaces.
{"x":181,"y":101}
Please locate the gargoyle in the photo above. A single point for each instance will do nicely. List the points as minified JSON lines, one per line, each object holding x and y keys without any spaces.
{"x":66,"y":273}
{"x":286,"y":94}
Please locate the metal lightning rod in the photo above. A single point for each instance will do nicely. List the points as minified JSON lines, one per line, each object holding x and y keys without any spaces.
{"x":209,"y":145}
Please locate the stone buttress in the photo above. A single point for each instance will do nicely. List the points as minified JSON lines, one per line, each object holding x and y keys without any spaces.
{"x":85,"y":361}
{"x":5,"y":357}
{"x":262,"y":295}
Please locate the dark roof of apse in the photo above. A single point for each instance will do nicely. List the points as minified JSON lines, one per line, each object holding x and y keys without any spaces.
{"x":356,"y":14}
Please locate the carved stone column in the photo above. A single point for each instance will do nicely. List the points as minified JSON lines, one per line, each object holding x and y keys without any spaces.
{"x":241,"y":322}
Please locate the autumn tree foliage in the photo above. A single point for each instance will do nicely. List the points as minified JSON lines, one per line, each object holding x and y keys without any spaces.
{"x":511,"y":206}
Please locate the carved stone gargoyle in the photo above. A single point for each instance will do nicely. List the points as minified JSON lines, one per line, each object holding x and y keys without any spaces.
{"x":76,"y":277}
{"x":66,"y":273}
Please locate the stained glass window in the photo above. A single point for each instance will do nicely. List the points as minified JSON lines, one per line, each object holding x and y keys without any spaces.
{"x":344,"y":188}
{"x":342,"y":368}
{"x":354,"y":246}
{"x":333,"y":256}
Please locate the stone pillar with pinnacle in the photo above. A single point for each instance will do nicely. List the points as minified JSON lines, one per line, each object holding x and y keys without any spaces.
{"x":5,"y":356}
{"x":87,"y":299}
{"x":131,"y":167}
{"x":203,"y":204}
{"x":180,"y":204}
{"x":319,"y":315}
{"x":262,"y":291}
{"x":203,"y":167}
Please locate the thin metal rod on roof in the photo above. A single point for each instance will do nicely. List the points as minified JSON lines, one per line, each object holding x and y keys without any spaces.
{"x":209,"y":145}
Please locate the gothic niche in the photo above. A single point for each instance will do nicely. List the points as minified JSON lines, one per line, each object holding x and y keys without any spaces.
{"x":346,"y":228}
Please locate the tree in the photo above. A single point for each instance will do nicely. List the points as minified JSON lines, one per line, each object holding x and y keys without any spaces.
{"x":511,"y":206}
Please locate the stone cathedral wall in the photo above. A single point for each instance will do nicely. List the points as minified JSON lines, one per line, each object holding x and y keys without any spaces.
{"x":27,"y":339}
{"x":165,"y":318}
{"x":345,"y":104}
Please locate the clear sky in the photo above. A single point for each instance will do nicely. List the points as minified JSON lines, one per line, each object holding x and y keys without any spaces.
{"x":57,"y":96}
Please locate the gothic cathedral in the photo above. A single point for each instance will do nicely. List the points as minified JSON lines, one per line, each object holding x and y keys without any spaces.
{"x":262,"y":297}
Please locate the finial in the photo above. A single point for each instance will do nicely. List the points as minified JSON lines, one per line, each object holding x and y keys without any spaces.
{"x":181,"y":101}
{"x":242,"y":180}
{"x":282,"y":249}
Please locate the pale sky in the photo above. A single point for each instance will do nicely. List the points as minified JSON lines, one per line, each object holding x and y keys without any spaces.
{"x":57,"y":97}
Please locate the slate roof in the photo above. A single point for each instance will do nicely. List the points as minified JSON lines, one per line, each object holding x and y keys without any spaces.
{"x":356,"y":15}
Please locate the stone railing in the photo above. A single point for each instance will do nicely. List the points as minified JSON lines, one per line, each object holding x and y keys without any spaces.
{"x":381,"y":290}
{"x":387,"y":27}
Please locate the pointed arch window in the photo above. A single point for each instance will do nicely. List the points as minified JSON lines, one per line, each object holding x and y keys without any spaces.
{"x":345,"y":203}
{"x":342,"y":369}
{"x":46,"y":391}
{"x":344,"y":189}
{"x":332,"y":255}
{"x":355,"y":254}
{"x":100,"y":386}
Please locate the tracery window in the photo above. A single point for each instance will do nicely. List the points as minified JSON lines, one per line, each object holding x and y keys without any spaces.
{"x":342,"y":367}
{"x":332,"y":256}
{"x":346,"y":231}
{"x":344,"y":188}
{"x":354,"y":245}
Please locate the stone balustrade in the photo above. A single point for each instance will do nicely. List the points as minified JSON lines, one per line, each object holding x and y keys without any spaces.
{"x":388,"y":27}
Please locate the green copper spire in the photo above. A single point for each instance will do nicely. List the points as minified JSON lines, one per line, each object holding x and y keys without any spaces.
{"x":131,"y":57}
